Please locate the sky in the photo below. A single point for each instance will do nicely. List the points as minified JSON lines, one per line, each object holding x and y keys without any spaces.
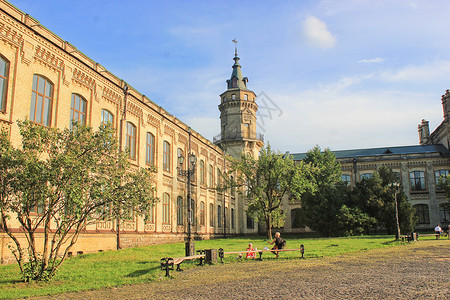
{"x":340,"y":74}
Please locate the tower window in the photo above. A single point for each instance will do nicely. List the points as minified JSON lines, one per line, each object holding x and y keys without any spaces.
{"x":245,"y":97}
{"x":233,"y":97}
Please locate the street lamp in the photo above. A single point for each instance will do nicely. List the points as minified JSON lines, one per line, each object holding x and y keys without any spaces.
{"x":189,"y":246}
{"x":396,"y":185}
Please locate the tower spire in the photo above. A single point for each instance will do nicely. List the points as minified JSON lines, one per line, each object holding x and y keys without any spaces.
{"x":235,"y":47}
{"x":237,"y":80}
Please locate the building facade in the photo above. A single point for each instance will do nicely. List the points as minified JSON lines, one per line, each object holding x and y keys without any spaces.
{"x":48,"y":81}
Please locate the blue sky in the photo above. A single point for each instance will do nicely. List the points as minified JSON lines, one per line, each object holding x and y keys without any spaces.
{"x":342,"y":74}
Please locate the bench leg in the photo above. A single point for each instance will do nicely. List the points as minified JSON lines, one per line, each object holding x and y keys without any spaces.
{"x":179,"y":268}
{"x":260,"y":255}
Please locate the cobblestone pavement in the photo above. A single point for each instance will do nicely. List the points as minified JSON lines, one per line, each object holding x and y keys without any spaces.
{"x":420,"y":270}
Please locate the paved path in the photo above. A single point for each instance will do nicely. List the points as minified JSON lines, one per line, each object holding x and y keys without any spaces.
{"x":420,"y":270}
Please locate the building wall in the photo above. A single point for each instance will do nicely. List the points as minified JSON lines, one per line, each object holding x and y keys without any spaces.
{"x":30,"y":49}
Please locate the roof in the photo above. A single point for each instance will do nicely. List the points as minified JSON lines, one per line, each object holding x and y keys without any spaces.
{"x":385,"y":151}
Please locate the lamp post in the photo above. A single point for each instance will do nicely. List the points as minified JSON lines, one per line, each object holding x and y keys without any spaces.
{"x":190,"y":246}
{"x":396,"y":185}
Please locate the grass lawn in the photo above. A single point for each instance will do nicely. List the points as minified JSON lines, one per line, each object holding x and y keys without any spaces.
{"x":141,"y":265}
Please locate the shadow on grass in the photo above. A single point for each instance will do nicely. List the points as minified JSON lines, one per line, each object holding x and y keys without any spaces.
{"x":139,"y":273}
{"x":11,"y":281}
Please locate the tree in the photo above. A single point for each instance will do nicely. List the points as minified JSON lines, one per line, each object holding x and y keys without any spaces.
{"x":376,"y":197}
{"x":444,"y":184}
{"x":266,"y":181}
{"x":321,"y":206}
{"x":59,"y":182}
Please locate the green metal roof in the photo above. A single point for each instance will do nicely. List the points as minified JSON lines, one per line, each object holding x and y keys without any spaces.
{"x":385,"y":151}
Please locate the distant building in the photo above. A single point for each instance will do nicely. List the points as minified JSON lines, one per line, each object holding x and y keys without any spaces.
{"x":419,"y":168}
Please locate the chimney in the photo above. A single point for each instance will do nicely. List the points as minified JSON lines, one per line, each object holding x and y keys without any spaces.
{"x":424,"y":132}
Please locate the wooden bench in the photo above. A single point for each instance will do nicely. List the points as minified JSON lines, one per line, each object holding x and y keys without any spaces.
{"x":222,"y":253}
{"x":168,"y":263}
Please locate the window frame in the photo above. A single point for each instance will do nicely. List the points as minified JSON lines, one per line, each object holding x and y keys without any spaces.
{"x":107,"y":113}
{"x":166,"y":156}
{"x":77,"y":111}
{"x":415,"y":181}
{"x":131,"y":140}
{"x":166,"y":208}
{"x":202,"y":213}
{"x":5,"y":78}
{"x":422,"y":212}
{"x":35,"y":94}
{"x":180,"y":214}
{"x":150,"y":149}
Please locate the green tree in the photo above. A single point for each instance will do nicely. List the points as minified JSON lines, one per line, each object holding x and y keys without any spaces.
{"x":444,"y":184}
{"x":321,"y":206}
{"x":376,"y":197}
{"x":70,"y":178}
{"x":266,"y":181}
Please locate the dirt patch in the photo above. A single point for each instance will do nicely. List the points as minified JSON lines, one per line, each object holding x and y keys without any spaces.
{"x":418,"y":270}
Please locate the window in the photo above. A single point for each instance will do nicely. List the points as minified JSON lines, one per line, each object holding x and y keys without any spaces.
{"x":193,"y":212}
{"x":37,"y":209}
{"x":296,"y":219}
{"x":250,"y":223}
{"x":202,"y":213}
{"x":180,"y":220}
{"x":225,"y":219}
{"x":41,"y":101}
{"x":4,"y":68}
{"x":150,"y":149}
{"x":107,"y":117}
{"x":417,"y":179}
{"x":346,"y":178}
{"x":211,"y":176}
{"x":219,"y":179}
{"x":219,"y":216}
{"x":233,"y":97}
{"x":444,"y":213}
{"x":180,"y":153}
{"x":151,"y":214}
{"x":440,"y":173}
{"x":422,"y":213}
{"x":211,"y":215}
{"x":166,"y":209}
{"x":77,"y":110}
{"x":131,"y":140}
{"x":202,"y":172}
{"x":366,"y":176}
{"x":232,"y":218}
{"x":245,"y":97}
{"x":166,"y":156}
{"x":233,"y":189}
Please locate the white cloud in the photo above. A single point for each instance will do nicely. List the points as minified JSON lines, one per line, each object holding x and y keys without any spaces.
{"x":372,"y":60}
{"x":426,"y":72}
{"x":316,"y":33}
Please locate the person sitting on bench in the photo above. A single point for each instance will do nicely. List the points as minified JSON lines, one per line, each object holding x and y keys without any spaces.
{"x":251,"y":255}
{"x":278,"y":243}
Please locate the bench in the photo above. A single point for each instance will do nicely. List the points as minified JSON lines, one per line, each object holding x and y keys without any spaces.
{"x":222,"y":253}
{"x":168,"y":263}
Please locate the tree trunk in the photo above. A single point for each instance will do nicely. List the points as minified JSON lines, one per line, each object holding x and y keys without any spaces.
{"x":269,"y":227}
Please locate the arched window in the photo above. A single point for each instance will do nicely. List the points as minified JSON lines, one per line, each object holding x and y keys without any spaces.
{"x":180,"y":219}
{"x":444,"y":212}
{"x":131,"y":140}
{"x":219,"y":177}
{"x":166,"y":156}
{"x":202,"y":213}
{"x":211,"y":215}
{"x":41,"y":101}
{"x":233,"y":188}
{"x":202,"y":172}
{"x":77,"y":110}
{"x":150,"y":149}
{"x":250,"y":223}
{"x":417,"y":180}
{"x":225,"y":219}
{"x":4,"y":70}
{"x":232,"y":218}
{"x":107,"y":117}
{"x":211,"y":176}
{"x":296,"y":218}
{"x":166,"y":208}
{"x":219,"y":216}
{"x":193,"y":212}
{"x":422,"y":213}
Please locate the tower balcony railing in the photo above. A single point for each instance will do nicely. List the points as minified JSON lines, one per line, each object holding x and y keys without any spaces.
{"x":237,"y":136}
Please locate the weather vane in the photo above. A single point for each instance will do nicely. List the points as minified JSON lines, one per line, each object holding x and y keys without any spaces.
{"x":235,"y":45}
